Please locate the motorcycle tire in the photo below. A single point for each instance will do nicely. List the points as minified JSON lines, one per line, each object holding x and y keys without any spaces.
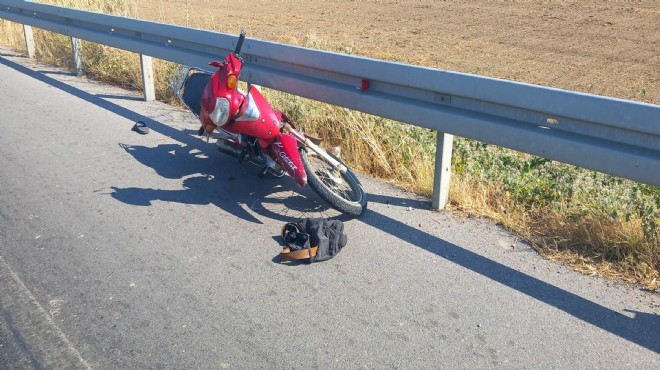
{"x":342,"y":191}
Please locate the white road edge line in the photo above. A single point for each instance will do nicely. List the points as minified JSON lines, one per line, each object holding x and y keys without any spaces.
{"x":44,"y":339}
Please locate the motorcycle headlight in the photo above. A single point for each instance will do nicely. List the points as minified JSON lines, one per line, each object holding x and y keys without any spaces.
{"x":220,"y":114}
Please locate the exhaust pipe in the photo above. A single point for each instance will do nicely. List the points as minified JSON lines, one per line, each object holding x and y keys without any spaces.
{"x":233,"y":149}
{"x":228,"y":147}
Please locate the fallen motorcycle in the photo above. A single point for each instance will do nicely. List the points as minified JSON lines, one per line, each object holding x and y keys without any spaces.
{"x":246,"y":126}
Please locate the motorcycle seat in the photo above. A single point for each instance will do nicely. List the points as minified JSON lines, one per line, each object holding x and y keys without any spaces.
{"x":192,"y":91}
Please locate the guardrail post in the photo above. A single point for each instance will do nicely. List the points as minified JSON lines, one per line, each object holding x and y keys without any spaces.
{"x":148,"y":77}
{"x":442,"y":175}
{"x":76,"y":47}
{"x":29,"y":40}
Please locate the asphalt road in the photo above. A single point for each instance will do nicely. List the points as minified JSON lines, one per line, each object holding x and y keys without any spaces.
{"x":120,"y":250}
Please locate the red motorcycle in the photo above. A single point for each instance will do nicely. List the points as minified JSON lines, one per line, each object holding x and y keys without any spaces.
{"x":246,"y":126}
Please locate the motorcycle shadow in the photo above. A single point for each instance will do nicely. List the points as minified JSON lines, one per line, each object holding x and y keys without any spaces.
{"x":210,"y":177}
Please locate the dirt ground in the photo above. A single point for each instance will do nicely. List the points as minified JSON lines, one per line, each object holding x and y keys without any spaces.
{"x":602,"y":47}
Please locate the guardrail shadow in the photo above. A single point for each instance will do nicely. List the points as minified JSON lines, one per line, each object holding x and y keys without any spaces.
{"x":642,"y":330}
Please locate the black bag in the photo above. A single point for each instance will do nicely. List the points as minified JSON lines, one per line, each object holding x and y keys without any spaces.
{"x":314,"y":239}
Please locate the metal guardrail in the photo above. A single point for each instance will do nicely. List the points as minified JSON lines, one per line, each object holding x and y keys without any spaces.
{"x":609,"y":135}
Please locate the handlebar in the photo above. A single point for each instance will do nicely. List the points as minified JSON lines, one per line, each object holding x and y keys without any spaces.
{"x":241,"y":38}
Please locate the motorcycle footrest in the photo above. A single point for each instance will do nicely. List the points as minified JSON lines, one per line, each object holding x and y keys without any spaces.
{"x":242,"y":155}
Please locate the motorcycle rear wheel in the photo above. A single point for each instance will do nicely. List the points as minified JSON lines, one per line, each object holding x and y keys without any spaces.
{"x":342,"y":191}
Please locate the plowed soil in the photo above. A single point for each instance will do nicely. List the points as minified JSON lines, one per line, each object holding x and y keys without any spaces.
{"x":602,"y":47}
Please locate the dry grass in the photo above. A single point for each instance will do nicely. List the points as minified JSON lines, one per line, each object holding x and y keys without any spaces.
{"x":597,"y":224}
{"x":588,"y":239}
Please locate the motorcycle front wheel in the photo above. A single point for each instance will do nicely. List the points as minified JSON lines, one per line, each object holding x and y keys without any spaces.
{"x":341,"y":190}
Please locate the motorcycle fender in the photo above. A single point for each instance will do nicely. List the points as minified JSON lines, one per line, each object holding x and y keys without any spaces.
{"x":285,"y":151}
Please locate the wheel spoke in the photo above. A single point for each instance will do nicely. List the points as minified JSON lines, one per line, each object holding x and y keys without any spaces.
{"x":341,"y":190}
{"x":324,"y":171}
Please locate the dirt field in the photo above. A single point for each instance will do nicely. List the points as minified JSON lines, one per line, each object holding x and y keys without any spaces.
{"x":602,"y":47}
